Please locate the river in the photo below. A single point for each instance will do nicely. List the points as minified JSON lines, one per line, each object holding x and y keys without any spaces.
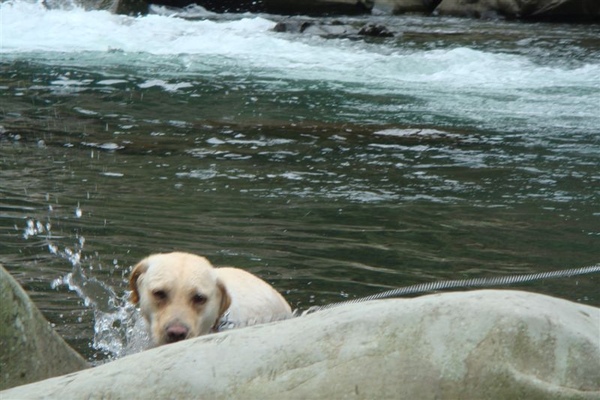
{"x":333,"y":166}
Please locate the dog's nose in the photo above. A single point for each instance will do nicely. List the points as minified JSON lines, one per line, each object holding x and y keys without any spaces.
{"x":176,"y":332}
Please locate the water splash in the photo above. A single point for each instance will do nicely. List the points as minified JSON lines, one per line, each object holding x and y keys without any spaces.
{"x":78,"y":212}
{"x":121,"y":332}
{"x":119,"y":329}
{"x":35,"y":228}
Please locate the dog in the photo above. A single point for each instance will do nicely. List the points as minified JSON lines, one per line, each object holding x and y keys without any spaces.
{"x":182,"y":296}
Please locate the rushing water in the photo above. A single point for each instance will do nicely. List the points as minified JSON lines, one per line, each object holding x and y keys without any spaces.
{"x":333,"y":166}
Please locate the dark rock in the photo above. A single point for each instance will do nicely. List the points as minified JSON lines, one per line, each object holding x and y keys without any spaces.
{"x":325,"y":29}
{"x":280,"y":27}
{"x":219,"y":6}
{"x":545,"y":10}
{"x":330,"y":29}
{"x":131,"y":7}
{"x":293,"y":26}
{"x":287,"y":7}
{"x":127,"y":7}
{"x":375,"y":31}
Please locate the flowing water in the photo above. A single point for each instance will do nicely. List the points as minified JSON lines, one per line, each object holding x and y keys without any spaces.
{"x":333,"y":166}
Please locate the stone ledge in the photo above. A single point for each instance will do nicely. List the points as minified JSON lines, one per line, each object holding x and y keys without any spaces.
{"x":477,"y":344}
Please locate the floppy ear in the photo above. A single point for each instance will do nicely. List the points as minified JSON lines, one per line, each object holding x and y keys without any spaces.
{"x":138,"y":270}
{"x":225,"y":298}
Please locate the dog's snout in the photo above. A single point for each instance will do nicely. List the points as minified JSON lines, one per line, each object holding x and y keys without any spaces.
{"x":176,"y":332}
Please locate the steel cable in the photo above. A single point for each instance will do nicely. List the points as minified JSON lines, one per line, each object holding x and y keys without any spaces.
{"x":463,"y":283}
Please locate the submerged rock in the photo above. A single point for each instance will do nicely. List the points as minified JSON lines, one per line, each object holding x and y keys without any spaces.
{"x":332,"y":29}
{"x":316,"y":28}
{"x":375,"y":31}
{"x":473,"y":345}
{"x":30,"y":350}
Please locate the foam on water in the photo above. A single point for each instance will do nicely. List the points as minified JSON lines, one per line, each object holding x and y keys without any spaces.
{"x":250,"y":42}
{"x":30,"y":27}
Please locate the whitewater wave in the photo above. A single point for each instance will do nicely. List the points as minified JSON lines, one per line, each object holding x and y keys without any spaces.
{"x":162,"y":50}
{"x":249,"y":44}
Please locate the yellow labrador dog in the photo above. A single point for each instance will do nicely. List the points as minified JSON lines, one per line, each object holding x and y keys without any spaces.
{"x":182,"y":295}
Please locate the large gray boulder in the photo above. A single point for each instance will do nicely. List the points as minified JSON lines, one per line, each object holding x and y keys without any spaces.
{"x":30,"y":350}
{"x":555,"y":10}
{"x":463,"y":345}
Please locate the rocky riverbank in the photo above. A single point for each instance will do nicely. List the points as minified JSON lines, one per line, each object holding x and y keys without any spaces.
{"x":531,"y":10}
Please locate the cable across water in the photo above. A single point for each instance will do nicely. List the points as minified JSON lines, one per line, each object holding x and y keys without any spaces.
{"x":462,"y":283}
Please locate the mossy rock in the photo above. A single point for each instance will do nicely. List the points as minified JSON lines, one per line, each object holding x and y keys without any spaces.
{"x":30,"y":349}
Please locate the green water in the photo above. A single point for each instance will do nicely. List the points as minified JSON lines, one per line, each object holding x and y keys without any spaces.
{"x":327,"y":189}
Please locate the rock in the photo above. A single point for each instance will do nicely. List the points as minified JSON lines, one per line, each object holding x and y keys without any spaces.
{"x":405,"y":6}
{"x":472,"y":345}
{"x":30,"y":350}
{"x":549,"y":10}
{"x":219,"y":6}
{"x":130,"y":7}
{"x":327,"y":29}
{"x":375,"y":31}
{"x":293,"y":26}
{"x":331,"y":29}
{"x":318,"y":7}
{"x":127,"y":7}
{"x":552,"y":10}
{"x":303,"y":7}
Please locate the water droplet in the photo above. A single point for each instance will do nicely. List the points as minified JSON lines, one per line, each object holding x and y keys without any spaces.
{"x":53,"y":249}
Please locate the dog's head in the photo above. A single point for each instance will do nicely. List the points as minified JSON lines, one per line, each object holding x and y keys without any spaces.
{"x":179,"y":295}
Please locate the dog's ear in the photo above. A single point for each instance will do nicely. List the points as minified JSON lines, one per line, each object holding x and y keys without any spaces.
{"x":138,"y":270}
{"x":225,"y":298}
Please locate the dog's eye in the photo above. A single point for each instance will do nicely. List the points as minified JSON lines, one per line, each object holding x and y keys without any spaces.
{"x":198,"y":299}
{"x":159,"y":294}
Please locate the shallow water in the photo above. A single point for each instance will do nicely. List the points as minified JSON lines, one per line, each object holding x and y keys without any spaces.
{"x":333,"y":167}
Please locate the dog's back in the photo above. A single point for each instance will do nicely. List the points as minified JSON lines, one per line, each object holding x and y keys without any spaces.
{"x":253,"y":300}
